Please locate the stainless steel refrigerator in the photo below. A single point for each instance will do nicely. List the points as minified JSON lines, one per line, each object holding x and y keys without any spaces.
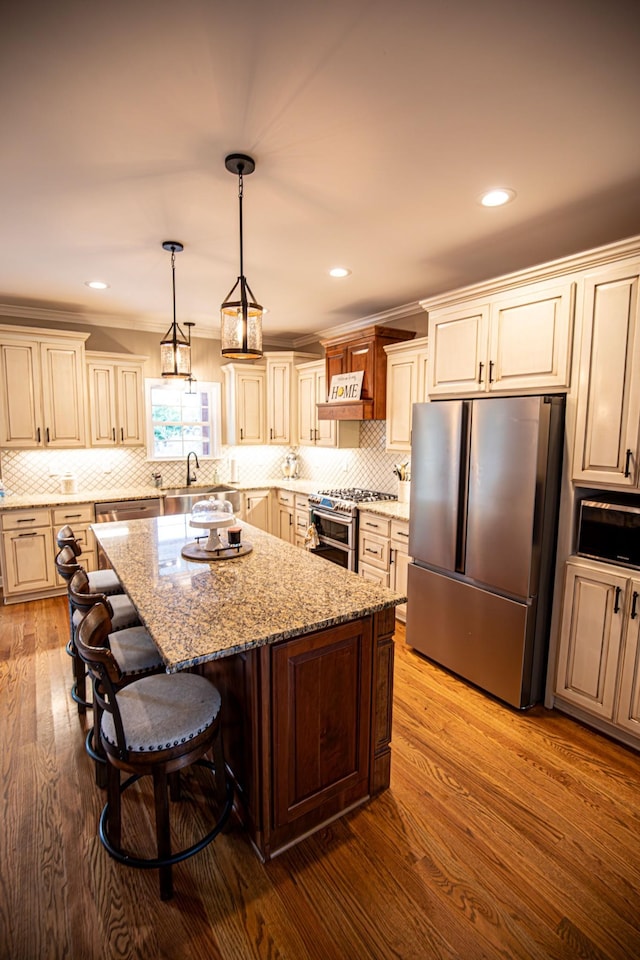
{"x":485,"y":479}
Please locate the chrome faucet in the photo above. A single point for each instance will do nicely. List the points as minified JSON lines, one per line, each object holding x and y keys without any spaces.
{"x":191,"y":477}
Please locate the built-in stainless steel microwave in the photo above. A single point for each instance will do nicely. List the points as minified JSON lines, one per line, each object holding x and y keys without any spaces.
{"x":610,"y":531}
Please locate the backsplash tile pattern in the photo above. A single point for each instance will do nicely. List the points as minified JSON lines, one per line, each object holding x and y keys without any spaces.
{"x":39,"y":471}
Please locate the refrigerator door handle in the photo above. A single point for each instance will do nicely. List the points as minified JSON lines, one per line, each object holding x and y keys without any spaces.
{"x":463,"y":487}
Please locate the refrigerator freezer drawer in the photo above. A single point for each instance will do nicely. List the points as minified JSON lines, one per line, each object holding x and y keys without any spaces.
{"x":476,"y":634}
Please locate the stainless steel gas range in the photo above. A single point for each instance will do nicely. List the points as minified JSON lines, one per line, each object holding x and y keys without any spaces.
{"x":335,"y":516}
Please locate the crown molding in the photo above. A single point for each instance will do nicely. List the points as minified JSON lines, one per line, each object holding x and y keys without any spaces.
{"x":352,"y":326}
{"x":576,"y":263}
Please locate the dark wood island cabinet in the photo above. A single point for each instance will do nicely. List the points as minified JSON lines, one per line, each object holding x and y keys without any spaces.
{"x":303,"y":660}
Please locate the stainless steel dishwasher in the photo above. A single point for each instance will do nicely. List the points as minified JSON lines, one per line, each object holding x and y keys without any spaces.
{"x":128,"y":509}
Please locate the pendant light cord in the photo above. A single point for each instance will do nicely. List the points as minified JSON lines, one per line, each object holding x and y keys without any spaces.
{"x":240,"y":194}
{"x":173,"y":277}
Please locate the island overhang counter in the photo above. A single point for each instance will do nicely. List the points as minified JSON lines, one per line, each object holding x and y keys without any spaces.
{"x":302,"y":653}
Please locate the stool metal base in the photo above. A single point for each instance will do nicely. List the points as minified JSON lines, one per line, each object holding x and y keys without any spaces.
{"x":150,"y":863}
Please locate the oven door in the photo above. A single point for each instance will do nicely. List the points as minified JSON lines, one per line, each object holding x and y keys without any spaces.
{"x":337,"y":538}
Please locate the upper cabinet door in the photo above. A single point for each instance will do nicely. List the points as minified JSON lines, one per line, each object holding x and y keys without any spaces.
{"x":530,"y":339}
{"x":63,"y":395}
{"x":102,"y":404}
{"x":279,"y":401}
{"x":21,"y":397}
{"x":130,"y":405}
{"x":402,"y":393}
{"x":458,"y":339}
{"x":608,"y":411}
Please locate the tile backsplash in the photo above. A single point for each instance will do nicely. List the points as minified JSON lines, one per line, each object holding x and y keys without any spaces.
{"x":27,"y":472}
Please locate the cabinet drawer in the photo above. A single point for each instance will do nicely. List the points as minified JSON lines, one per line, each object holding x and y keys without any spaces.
{"x":301,"y":522}
{"x":286,"y":498}
{"x":25,"y":519}
{"x":374,"y":550}
{"x":375,"y":524}
{"x":400,"y":533}
{"x":302,"y":502}
{"x":373,"y":574}
{"x":76,"y":513}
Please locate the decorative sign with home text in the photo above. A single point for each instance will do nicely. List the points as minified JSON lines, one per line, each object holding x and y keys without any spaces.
{"x":346,"y":387}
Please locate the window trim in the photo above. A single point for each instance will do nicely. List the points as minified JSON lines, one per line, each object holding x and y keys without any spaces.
{"x":214,"y":390}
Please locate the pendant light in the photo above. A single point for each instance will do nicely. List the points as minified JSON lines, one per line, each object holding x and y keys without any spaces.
{"x":240,"y":315}
{"x":175,"y":349}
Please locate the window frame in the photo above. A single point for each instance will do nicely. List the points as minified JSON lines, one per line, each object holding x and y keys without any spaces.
{"x":214,"y":390}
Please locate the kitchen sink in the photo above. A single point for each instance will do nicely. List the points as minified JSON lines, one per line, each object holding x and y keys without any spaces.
{"x":182,"y":499}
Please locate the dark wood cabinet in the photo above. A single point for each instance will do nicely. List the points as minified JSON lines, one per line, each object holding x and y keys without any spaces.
{"x":361,"y":351}
{"x":307,"y":727}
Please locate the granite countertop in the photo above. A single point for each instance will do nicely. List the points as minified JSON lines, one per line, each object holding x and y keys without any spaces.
{"x":387,"y":508}
{"x":201,"y":611}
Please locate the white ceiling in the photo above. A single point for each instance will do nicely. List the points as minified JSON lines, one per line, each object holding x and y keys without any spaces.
{"x":374,"y":125}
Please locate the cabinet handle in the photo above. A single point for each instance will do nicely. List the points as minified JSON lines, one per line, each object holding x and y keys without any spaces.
{"x":270,"y":433}
{"x":634,"y":604}
{"x":616,"y":602}
{"x":122,"y":434}
{"x":27,"y":520}
{"x":34,"y":534}
{"x":241,"y":433}
{"x":72,"y":516}
{"x":310,"y":434}
{"x":38,"y":434}
{"x":316,"y":431}
{"x":368,"y":523}
{"x":627,"y":464}
{"x":290,"y":520}
{"x":370,"y":550}
{"x":480,"y":369}
{"x":47,"y":433}
{"x":113,"y":433}
{"x":392,"y":558}
{"x":490,"y":371}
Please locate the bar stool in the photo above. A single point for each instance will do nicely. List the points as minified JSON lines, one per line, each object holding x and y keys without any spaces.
{"x":100,"y":581}
{"x":137,"y":656}
{"x":122,"y":612}
{"x":154,"y":726}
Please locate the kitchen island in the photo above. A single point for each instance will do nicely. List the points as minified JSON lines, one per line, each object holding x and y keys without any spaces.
{"x":302,"y":653}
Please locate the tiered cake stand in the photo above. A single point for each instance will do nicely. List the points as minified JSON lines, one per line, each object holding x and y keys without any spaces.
{"x":214,"y":548}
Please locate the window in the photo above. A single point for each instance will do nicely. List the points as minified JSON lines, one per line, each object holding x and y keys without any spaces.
{"x":182,"y":417}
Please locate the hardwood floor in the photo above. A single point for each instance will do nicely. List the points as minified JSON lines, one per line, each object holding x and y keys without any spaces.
{"x":503,"y":835}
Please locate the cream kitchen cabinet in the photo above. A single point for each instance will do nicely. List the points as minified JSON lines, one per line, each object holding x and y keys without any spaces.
{"x":513,"y":341}
{"x":301,"y":519}
{"x":116,"y":400}
{"x":598,"y":668}
{"x":285,"y":515}
{"x":282,"y":396}
{"x":29,"y":549}
{"x":312,"y":389}
{"x":245,"y":404}
{"x":608,"y":410}
{"x":399,"y":562}
{"x":257,"y":508}
{"x":406,"y":385}
{"x":383,"y":555}
{"x":42,"y":393}
{"x":28,"y":552}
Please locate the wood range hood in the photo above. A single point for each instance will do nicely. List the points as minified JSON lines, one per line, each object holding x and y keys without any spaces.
{"x":361,"y":350}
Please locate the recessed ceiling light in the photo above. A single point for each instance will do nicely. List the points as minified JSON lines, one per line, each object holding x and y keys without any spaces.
{"x":339,"y":272}
{"x":96,"y":284}
{"x":497,"y":197}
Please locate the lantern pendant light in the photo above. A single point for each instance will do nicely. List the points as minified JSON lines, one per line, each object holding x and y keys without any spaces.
{"x":240,"y":315}
{"x":175,"y":349}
